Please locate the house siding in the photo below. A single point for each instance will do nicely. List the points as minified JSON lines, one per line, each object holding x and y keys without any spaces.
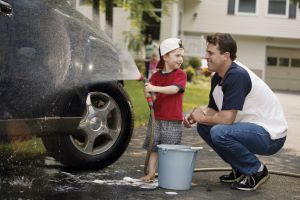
{"x":251,"y":51}
{"x":120,"y":24}
{"x":212,"y":17}
{"x":166,"y":24}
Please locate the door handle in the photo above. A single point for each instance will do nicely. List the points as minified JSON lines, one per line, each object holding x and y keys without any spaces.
{"x":5,"y":8}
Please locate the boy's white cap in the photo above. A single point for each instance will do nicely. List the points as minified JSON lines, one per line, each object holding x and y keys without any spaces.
{"x":165,"y":47}
{"x":168,"y":45}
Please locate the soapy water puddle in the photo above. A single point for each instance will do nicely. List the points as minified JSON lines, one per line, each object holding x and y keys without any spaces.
{"x":21,"y":182}
{"x":44,"y":176}
{"x":65,"y":180}
{"x":48,"y":176}
{"x":100,"y":178}
{"x":129,"y":182}
{"x":94,"y":178}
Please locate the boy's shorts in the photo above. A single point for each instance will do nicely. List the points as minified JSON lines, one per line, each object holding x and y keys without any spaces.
{"x":166,"y":132}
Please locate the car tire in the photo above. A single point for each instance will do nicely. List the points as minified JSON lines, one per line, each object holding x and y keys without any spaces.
{"x":104,"y":131}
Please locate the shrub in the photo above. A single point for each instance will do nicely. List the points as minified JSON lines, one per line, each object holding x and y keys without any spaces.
{"x":185,"y":64}
{"x":190,"y":72}
{"x":206,"y":72}
{"x":195,"y":62}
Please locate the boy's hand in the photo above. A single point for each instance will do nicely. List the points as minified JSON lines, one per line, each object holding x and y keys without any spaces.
{"x":148,"y":91}
{"x":148,"y":87}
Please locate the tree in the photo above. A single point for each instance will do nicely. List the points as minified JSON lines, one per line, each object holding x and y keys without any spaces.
{"x":136,"y":9}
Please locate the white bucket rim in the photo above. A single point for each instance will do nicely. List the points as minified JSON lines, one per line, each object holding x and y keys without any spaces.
{"x":176,"y":147}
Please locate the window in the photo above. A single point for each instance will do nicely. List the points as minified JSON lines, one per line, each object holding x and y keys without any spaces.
{"x":152,"y":24}
{"x":246,"y":6}
{"x":278,"y":7}
{"x":243,"y":7}
{"x":272,"y":61}
{"x":295,"y":62}
{"x":283,"y":57}
{"x":285,"y":8}
{"x":283,"y":62}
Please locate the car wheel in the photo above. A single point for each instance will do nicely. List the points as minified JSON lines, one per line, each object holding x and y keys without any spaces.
{"x":103,"y":133}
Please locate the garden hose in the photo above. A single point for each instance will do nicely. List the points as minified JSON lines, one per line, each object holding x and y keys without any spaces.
{"x":229,"y":169}
{"x":219,"y":169}
{"x":150,"y":141}
{"x":149,"y":98}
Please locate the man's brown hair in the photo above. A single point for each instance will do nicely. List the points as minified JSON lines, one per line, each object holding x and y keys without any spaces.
{"x":225,"y":43}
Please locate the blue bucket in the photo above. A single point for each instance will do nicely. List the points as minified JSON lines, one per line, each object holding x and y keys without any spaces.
{"x":176,"y":165}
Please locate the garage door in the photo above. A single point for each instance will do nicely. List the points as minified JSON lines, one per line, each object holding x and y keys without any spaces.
{"x":283,"y":68}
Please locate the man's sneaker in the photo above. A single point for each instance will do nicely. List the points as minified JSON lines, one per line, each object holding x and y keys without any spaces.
{"x":232,"y":177}
{"x":252,"y":182}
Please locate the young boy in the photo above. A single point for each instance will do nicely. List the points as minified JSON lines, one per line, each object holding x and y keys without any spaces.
{"x":168,"y":85}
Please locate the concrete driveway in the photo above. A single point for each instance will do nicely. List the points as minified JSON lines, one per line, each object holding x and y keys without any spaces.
{"x":44,"y":179}
{"x":291,"y":105}
{"x":206,"y":185}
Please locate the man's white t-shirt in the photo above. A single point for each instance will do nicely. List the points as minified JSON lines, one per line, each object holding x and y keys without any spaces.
{"x":242,"y":90}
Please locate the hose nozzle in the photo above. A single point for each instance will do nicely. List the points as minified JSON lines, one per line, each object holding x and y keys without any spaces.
{"x":149,"y":97}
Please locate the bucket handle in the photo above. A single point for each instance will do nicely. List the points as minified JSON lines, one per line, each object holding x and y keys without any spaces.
{"x":193,"y":160}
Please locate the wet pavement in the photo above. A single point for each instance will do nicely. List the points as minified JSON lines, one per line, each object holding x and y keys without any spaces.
{"x":43,"y":178}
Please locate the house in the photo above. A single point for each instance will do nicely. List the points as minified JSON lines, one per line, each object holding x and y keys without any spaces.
{"x":267,"y":33}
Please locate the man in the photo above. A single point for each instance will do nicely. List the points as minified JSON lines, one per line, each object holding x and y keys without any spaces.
{"x":243,"y":117}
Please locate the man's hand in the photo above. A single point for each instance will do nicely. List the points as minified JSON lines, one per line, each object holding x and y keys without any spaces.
{"x":198,"y":115}
{"x":188,"y":120}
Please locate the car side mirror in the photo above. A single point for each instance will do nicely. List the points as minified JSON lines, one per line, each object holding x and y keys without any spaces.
{"x":5,"y":8}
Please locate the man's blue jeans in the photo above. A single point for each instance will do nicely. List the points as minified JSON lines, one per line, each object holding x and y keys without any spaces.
{"x":238,"y":143}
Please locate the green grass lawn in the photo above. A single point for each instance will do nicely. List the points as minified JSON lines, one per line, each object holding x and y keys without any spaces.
{"x":195,"y":95}
{"x":18,"y":150}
